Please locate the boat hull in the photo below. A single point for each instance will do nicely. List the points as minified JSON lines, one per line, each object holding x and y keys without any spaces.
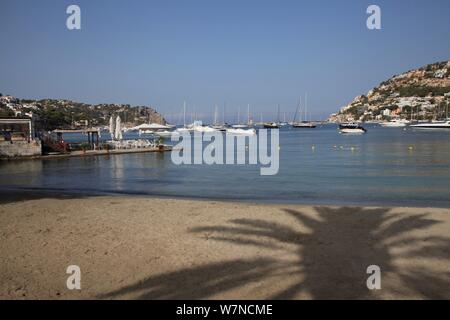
{"x":352,"y":131}
{"x":296,"y":126}
{"x":241,"y":132}
{"x":271,"y":126}
{"x":393,"y":125}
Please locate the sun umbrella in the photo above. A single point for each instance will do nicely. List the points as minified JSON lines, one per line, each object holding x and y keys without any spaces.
{"x":118,"y":134}
{"x":112,"y":127}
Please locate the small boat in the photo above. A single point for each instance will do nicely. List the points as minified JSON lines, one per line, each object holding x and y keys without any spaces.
{"x":352,"y":128}
{"x":432,"y":125}
{"x":219,"y":127}
{"x":166,"y":133}
{"x":303,"y":125}
{"x":240,"y":126}
{"x":150,"y":128}
{"x":146,"y":131}
{"x":241,"y":132}
{"x":204,"y":129}
{"x":184,"y":129}
{"x":271,"y":125}
{"x":396,"y":123}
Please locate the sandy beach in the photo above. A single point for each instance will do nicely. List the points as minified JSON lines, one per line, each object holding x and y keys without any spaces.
{"x":150,"y":248}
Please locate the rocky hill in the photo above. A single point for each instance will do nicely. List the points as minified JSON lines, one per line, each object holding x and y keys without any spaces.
{"x":421,"y":93}
{"x":54,"y":114}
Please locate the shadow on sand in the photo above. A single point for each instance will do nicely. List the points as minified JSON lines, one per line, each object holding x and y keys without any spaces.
{"x":331,"y":257}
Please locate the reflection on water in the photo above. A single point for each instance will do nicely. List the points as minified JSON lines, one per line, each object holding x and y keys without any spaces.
{"x":385,"y":166}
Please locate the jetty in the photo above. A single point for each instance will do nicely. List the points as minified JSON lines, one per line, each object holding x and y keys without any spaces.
{"x":91,"y":153}
{"x":19,"y":138}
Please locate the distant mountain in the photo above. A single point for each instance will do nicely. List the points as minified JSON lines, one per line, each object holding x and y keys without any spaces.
{"x":423,"y":92}
{"x":53,"y":114}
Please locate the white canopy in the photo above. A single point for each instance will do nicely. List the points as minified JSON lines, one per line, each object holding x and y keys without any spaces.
{"x":118,"y":134}
{"x":112,"y":127}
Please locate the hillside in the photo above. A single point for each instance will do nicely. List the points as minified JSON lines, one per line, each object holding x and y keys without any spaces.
{"x":422,"y":93}
{"x":54,"y":114}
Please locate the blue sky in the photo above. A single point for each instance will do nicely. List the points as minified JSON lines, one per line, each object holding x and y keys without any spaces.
{"x":209,"y":52}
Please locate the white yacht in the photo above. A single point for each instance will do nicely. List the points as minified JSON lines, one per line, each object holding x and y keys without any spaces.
{"x":201,"y":128}
{"x":432,"y":125}
{"x":241,"y":132}
{"x":165,"y":133}
{"x":396,"y":123}
{"x":351,"y":128}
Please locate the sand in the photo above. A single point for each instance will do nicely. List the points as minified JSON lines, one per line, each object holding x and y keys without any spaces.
{"x":150,"y":248}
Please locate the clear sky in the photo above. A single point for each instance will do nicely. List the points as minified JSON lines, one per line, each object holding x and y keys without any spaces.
{"x":161,"y":52}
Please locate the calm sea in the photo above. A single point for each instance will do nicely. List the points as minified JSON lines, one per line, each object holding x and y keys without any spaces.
{"x":386,"y":166}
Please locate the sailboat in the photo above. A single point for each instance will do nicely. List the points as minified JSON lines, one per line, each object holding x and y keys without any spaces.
{"x":184,"y":128}
{"x":216,"y":125}
{"x":437,"y":124}
{"x":243,"y":129}
{"x":273,"y":125}
{"x":239,"y":125}
{"x":243,"y":125}
{"x":395,"y":123}
{"x":432,"y":125}
{"x":284,"y":123}
{"x":304,"y":124}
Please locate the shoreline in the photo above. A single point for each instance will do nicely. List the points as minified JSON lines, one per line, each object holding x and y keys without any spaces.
{"x":155,"y":248}
{"x":31,"y":193}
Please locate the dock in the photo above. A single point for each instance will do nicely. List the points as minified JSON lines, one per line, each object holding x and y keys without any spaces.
{"x":92,"y":153}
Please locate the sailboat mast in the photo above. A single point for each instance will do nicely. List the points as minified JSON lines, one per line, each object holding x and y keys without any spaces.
{"x":306,"y":106}
{"x":224,"y":105}
{"x":278,"y":113}
{"x":215,"y":114}
{"x":296,"y":111}
{"x":239,"y":115}
{"x":184,"y":114}
{"x":248,"y":113}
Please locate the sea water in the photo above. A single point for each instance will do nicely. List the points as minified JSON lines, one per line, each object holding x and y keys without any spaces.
{"x":386,"y":166}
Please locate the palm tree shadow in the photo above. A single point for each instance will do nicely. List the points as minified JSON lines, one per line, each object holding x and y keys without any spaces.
{"x":199,"y":282}
{"x":333,"y":248}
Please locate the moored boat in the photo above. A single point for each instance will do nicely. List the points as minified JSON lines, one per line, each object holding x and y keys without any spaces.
{"x":271,"y":125}
{"x":303,"y":125}
{"x":351,"y":128}
{"x":241,"y":132}
{"x":432,"y":125}
{"x":396,"y":123}
{"x":166,"y":133}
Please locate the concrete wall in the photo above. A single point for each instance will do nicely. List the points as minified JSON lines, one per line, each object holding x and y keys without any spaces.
{"x":20,"y":149}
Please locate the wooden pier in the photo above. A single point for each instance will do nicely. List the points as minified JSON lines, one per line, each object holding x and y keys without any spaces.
{"x":93,"y":153}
